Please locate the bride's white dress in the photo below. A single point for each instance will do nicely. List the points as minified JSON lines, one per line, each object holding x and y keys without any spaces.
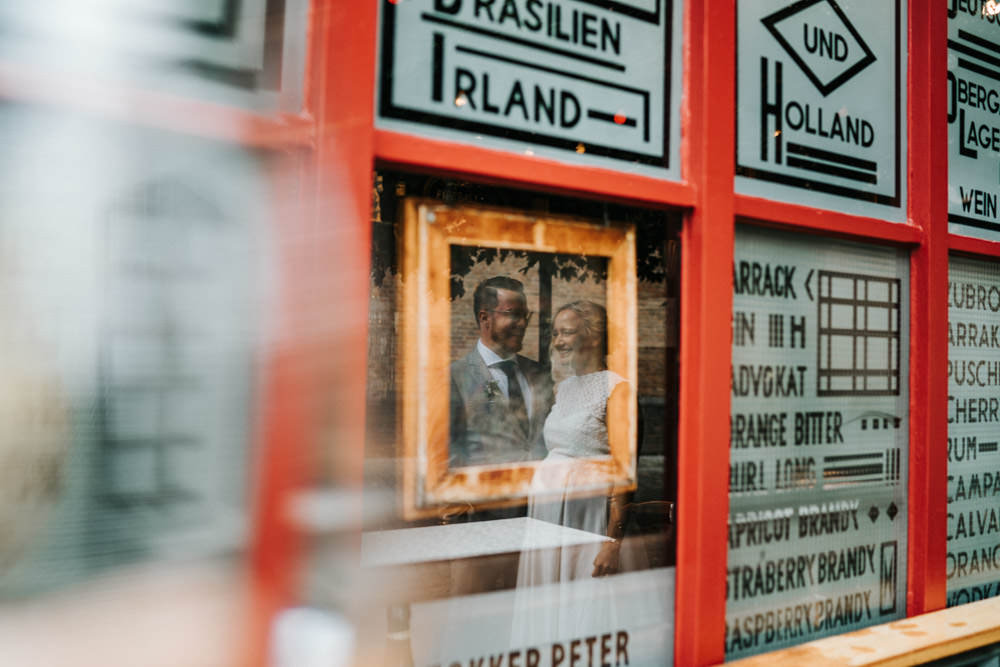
{"x":576,"y":435}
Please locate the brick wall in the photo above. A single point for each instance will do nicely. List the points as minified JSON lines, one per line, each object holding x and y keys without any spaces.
{"x":463,"y":326}
{"x":652,"y":331}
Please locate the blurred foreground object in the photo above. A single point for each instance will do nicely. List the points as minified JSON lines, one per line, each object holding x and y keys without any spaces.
{"x":305,"y":637}
{"x":34,"y":441}
{"x":138,"y":196}
{"x":154,"y":616}
{"x":141,"y":288}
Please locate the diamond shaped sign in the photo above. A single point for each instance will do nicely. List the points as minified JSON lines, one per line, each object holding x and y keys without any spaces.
{"x":822,"y":41}
{"x":820,"y":90}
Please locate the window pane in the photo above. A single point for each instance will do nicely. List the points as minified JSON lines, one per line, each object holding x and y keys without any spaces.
{"x":528,"y":511}
{"x":817,"y":483}
{"x":595,"y":84}
{"x":973,"y":560}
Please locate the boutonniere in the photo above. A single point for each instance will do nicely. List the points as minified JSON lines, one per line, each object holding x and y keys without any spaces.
{"x":492,"y":390}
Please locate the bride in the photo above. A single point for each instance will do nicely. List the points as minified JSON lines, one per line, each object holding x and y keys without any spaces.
{"x":576,"y":436}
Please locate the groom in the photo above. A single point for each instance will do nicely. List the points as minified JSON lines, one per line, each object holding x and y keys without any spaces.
{"x":499,"y":399}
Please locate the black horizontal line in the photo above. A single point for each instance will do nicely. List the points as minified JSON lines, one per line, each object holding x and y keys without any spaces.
{"x":550,"y":70}
{"x":859,"y":373}
{"x":836,"y":484}
{"x":846,"y":457}
{"x":819,"y":185}
{"x":830,"y":156}
{"x":847,"y":301}
{"x":831,"y":170}
{"x":854,"y":471}
{"x":857,"y":333}
{"x":609,"y":117}
{"x":987,"y":446}
{"x":858,"y":392}
{"x":857,"y":276}
{"x":979,"y":69}
{"x":969,"y":51}
{"x":977,"y":40}
{"x":523,"y":42}
{"x":972,"y":222}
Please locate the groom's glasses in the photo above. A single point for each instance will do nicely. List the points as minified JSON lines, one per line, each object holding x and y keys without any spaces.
{"x":516,"y":314}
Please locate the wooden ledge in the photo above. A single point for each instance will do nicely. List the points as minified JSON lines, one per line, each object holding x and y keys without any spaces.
{"x":907,"y":641}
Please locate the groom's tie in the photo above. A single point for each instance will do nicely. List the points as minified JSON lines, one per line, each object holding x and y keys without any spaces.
{"x":516,"y":399}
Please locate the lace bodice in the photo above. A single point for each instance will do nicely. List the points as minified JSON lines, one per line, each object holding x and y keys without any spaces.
{"x":577,"y":425}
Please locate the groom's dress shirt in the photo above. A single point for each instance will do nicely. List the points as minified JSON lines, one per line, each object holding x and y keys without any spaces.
{"x":483,"y":427}
{"x":494,"y":364}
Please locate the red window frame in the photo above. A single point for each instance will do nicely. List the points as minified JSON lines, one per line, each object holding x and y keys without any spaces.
{"x":711,"y":209}
{"x":326,"y":242}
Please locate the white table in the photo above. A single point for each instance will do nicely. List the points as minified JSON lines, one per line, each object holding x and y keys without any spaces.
{"x":431,"y":562}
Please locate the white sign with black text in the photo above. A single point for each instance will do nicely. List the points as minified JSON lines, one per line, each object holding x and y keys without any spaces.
{"x":624,"y":619}
{"x":973,"y":561}
{"x":583,"y":81}
{"x":818,"y":440}
{"x":820,"y":104}
{"x":973,"y":126}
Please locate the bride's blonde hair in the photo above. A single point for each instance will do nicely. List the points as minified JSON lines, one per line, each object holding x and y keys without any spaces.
{"x":595,"y":322}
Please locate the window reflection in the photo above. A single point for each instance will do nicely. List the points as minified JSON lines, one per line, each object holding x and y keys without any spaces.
{"x":575,"y":564}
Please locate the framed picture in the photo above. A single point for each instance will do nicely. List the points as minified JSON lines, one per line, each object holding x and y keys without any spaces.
{"x":517,"y":358}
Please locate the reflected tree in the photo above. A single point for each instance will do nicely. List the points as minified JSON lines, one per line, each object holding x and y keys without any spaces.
{"x":655,"y":254}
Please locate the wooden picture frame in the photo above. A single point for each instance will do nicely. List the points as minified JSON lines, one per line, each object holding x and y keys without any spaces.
{"x":429,"y":230}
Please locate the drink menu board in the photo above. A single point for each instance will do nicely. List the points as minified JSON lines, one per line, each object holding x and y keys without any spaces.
{"x":818,"y":439}
{"x":821,"y":103}
{"x":973,"y":559}
{"x":973,"y":131}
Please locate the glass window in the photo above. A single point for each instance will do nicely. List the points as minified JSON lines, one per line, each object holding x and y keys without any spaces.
{"x":593,"y":84}
{"x":818,"y":442}
{"x":972,"y":107}
{"x":130,"y":318}
{"x":821,"y":114}
{"x":973,"y":560}
{"x":522,"y":394}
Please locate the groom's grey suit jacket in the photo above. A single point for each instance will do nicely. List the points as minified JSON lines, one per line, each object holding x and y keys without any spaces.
{"x":482,"y":428}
